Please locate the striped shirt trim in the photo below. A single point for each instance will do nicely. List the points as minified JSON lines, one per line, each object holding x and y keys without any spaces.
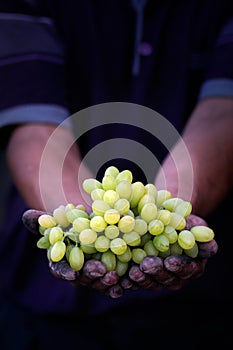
{"x":217,"y":87}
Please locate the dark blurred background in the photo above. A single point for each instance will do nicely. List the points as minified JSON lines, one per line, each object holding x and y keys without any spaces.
{"x":5,"y":181}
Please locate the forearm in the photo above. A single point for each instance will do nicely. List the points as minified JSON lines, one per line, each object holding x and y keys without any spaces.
{"x":209,"y":141}
{"x":44,"y":164}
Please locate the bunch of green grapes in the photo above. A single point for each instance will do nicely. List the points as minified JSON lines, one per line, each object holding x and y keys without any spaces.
{"x":129,"y":221}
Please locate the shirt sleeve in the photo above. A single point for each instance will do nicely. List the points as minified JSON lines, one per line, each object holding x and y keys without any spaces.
{"x":219,"y":77}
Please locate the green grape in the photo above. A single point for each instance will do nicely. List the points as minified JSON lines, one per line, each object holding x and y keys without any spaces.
{"x":97,"y":193}
{"x":146,"y":198}
{"x":165,"y":254}
{"x":98,"y":224}
{"x":186,"y":239}
{"x":80,"y":224}
{"x":138,"y":254}
{"x":161,"y":243}
{"x":177,"y":221}
{"x":42,"y":230}
{"x":202,"y":233}
{"x":47,"y":221}
{"x":58,"y":251}
{"x":150,"y":249}
{"x":99,"y":207}
{"x":75,"y":213}
{"x":88,"y":248}
{"x":102,"y":244}
{"x":140,"y":226}
{"x":151,"y":189}
{"x":162,"y":195}
{"x":108,"y":258}
{"x":49,"y":253}
{"x":145,"y":238}
{"x":149,"y":212}
{"x":73,"y":236}
{"x":131,"y":213}
{"x":132,"y":238}
{"x":171,"y":234}
{"x":121,"y":267}
{"x":43,"y":243}
{"x":47,"y":232}
{"x":81,"y":207}
{"x":90,"y":184}
{"x":68,"y":250}
{"x":138,"y":191}
{"x":184,"y":208}
{"x":112,"y":216}
{"x":124,"y":189}
{"x":76,"y":258}
{"x":109,"y":182}
{"x":155,"y":227}
{"x":126,"y":256}
{"x":87,"y":236}
{"x":164,"y":215}
{"x":112,"y":170}
{"x":55,"y":234}
{"x":97,"y":256}
{"x":122,"y":206}
{"x":192,"y":252}
{"x":124,"y":175}
{"x":126,"y":224}
{"x":111,"y":196}
{"x":69,"y":207}
{"x":118,"y":246}
{"x":175,"y":249}
{"x":171,"y":203}
{"x":111,"y":231}
{"x":59,"y":215}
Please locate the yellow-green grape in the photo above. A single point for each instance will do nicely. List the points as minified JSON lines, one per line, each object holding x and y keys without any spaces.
{"x":155,"y":227}
{"x":111,"y":231}
{"x":145,"y":238}
{"x":97,"y":193}
{"x":88,"y":248}
{"x":81,"y":207}
{"x":47,"y":232}
{"x":186,"y":239}
{"x":80,"y":224}
{"x":109,"y":182}
{"x":90,"y":184}
{"x":177,"y":221}
{"x":161,"y":243}
{"x":146,"y":198}
{"x":75,"y":213}
{"x":132,"y":238}
{"x":124,"y":175}
{"x":131,"y":213}
{"x":58,"y":251}
{"x":165,"y":254}
{"x":162,"y":195}
{"x":124,"y":189}
{"x":126,"y":224}
{"x":111,"y":196}
{"x":46,"y":221}
{"x":126,"y":256}
{"x":49,"y":253}
{"x":164,"y":215}
{"x":109,"y":260}
{"x":170,"y":233}
{"x":97,"y":256}
{"x":175,"y":249}
{"x":171,"y":203}
{"x":69,"y":207}
{"x":184,"y":208}
{"x":192,"y":252}
{"x":112,"y":216}
{"x":202,"y":233}
{"x":59,"y":215}
{"x":150,"y":249}
{"x":87,"y":236}
{"x":118,"y":246}
{"x":112,"y":170}
{"x":73,"y":236}
{"x":99,"y":207}
{"x":56,"y":234}
{"x":122,"y":206}
{"x":151,"y":189}
{"x":140,"y":226}
{"x":98,"y":224}
{"x":149,"y":212}
{"x":76,"y":258}
{"x":43,"y":243}
{"x":42,"y":230}
{"x":138,"y":254}
{"x":69,"y":246}
{"x":138,"y":191}
{"x":102,"y":244}
{"x":121,"y":267}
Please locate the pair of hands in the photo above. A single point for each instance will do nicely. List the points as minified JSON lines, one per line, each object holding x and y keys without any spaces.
{"x":154,"y":273}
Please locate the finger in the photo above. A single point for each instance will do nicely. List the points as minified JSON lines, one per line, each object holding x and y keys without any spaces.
{"x":63,"y":270}
{"x":194,"y":220}
{"x":30,"y":220}
{"x":152,"y":265}
{"x":183,"y":267}
{"x":110,"y":278}
{"x":115,"y":291}
{"x":94,"y":269}
{"x":207,"y":249}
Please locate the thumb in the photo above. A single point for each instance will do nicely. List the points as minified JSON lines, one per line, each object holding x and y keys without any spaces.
{"x":30,"y":219}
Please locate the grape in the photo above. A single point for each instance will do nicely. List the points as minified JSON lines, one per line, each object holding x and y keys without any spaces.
{"x":76,"y":258}
{"x":138,"y":191}
{"x":73,"y":236}
{"x":87,"y":236}
{"x":69,"y":207}
{"x":151,"y":189}
{"x":98,"y":224}
{"x":90,"y":184}
{"x":121,"y":267}
{"x":111,"y":170}
{"x":145,"y":238}
{"x":124,"y":175}
{"x":110,"y":278}
{"x":97,"y":193}
{"x":164,"y":215}
{"x":118,"y":246}
{"x":94,"y":269}
{"x":57,"y":251}
{"x":138,"y":254}
{"x":155,"y":227}
{"x":69,"y":246}
{"x":175,"y":249}
{"x":124,"y":189}
{"x":150,"y":249}
{"x":99,"y":207}
{"x":75,"y":213}
{"x":43,"y":243}
{"x":161,"y":243}
{"x":165,"y":254}
{"x":202,"y":233}
{"x":140,"y":226}
{"x":59,"y":215}
{"x":109,"y":260}
{"x":177,"y":221}
{"x":55,"y":234}
{"x":126,"y":224}
{"x":192,"y":252}
{"x":102,"y":244}
{"x":88,"y":248}
{"x":122,"y":205}
{"x":174,"y":263}
{"x":112,"y":216}
{"x":126,"y":256}
{"x":171,"y":203}
{"x":80,"y":224}
{"x":149,"y":212}
{"x":136,"y":274}
{"x":111,"y":196}
{"x":186,"y":239}
{"x":171,"y":234}
{"x":184,"y":208}
{"x":162,"y":195}
{"x":109,"y":182}
{"x":131,"y":213}
{"x":146,"y":198}
{"x":112,"y":231}
{"x":132,"y":238}
{"x":47,"y":221}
